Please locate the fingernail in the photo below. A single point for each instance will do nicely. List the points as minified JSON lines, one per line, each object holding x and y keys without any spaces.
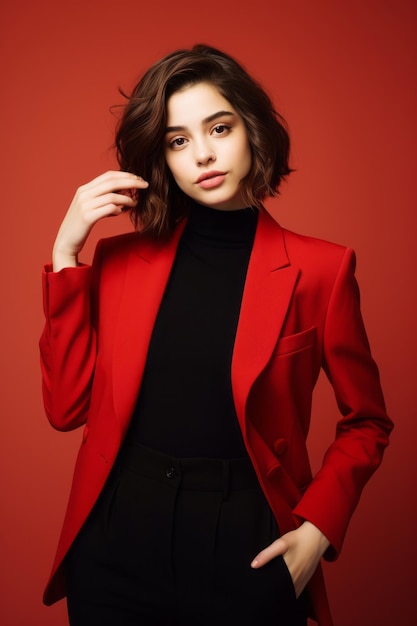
{"x":254,"y":563}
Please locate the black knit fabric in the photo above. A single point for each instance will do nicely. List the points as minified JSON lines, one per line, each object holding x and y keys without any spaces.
{"x":185,"y":407}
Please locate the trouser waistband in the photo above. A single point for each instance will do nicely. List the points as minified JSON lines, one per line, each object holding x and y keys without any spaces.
{"x":204,"y":474}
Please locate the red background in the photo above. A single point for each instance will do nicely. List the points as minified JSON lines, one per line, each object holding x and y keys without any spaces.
{"x":342,"y":73}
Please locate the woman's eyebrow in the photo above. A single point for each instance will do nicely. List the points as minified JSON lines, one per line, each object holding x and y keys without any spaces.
{"x":206,"y":120}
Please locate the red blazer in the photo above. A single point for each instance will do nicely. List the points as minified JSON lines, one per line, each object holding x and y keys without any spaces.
{"x":300,"y":312}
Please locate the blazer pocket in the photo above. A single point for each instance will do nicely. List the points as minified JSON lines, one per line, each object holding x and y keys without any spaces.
{"x":295,"y":343}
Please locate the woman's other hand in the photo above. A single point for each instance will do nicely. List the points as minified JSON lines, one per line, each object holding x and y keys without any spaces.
{"x":301,"y":550}
{"x":109,"y":194}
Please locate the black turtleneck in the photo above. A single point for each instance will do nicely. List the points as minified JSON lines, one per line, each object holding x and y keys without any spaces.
{"x":185,"y":407}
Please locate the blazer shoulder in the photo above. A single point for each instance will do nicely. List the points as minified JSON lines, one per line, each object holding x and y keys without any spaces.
{"x":314,"y":245}
{"x":316,"y":258}
{"x":120,"y":244}
{"x":313,"y":252}
{"x":117,"y":249}
{"x":322,"y":264}
{"x":298,"y":244}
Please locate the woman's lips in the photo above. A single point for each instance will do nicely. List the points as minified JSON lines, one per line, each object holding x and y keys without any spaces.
{"x":211,"y":179}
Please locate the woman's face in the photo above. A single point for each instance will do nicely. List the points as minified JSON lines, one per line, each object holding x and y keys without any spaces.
{"x":206,"y":147}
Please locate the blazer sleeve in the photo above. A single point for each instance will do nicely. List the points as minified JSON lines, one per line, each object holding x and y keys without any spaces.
{"x":68,"y":343}
{"x":363,"y":429}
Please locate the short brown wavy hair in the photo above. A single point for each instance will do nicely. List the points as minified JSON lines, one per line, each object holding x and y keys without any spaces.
{"x":141,"y":130}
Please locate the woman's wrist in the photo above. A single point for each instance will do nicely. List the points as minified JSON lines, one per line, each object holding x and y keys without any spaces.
{"x":60,"y":260}
{"x":315,"y":533}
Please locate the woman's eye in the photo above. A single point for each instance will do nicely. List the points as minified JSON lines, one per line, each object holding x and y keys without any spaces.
{"x":178,"y":142}
{"x":221,"y":129}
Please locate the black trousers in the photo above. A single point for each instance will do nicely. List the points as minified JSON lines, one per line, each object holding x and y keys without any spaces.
{"x":170,"y":542}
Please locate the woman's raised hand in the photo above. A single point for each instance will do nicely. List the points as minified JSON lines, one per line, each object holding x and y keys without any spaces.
{"x":108,"y":194}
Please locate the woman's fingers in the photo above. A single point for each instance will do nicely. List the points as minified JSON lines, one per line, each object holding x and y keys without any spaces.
{"x":301,"y":549}
{"x":109,"y":194}
{"x":94,"y":208}
{"x":111,"y":181}
{"x":278,"y":547}
{"x":112,"y":189}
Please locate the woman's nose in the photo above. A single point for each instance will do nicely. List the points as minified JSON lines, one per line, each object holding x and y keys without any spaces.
{"x":204,"y":154}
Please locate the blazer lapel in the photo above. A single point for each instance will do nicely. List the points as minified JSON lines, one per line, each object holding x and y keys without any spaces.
{"x":268,"y":289}
{"x":147,"y":273}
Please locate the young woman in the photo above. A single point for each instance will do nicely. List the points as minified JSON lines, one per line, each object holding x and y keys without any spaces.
{"x":189,"y":351}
